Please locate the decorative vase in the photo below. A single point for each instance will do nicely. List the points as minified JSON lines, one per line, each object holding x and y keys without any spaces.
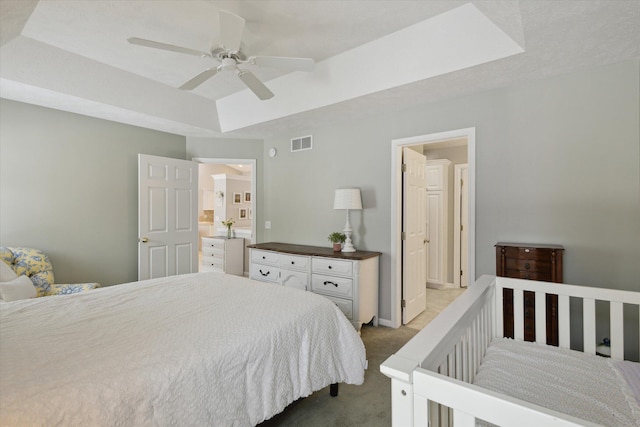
{"x":228,"y":232}
{"x":337,"y":247}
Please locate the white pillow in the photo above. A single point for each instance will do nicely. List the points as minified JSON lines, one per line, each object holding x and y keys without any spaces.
{"x":18,"y":288}
{"x":6,"y":272}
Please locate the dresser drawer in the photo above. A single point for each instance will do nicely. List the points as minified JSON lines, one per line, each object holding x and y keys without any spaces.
{"x":293,"y":262}
{"x":332,"y":266}
{"x":212,"y":244}
{"x":527,"y":264}
{"x":265,"y":273}
{"x":332,"y":285}
{"x":213,"y":262}
{"x":264,"y":257}
{"x":544,"y":276}
{"x":541,"y":254}
{"x":212,"y":252}
{"x":345,"y":305}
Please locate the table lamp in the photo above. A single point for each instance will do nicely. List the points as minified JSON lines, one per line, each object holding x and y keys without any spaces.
{"x":348,"y":199}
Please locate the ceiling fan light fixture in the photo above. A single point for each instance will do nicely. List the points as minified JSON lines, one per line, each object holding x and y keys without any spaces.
{"x":229,"y":64}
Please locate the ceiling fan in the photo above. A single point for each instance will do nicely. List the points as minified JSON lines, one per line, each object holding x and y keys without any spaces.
{"x":230,"y":58}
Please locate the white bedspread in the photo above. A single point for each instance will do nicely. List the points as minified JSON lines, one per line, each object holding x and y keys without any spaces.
{"x":588,"y":387}
{"x":190,"y":350}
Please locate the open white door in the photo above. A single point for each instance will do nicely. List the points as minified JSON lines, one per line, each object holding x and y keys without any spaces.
{"x":167,"y":216}
{"x":414,"y":227}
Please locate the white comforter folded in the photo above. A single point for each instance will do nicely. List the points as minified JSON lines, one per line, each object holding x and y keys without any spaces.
{"x":585,"y":386}
{"x":197,"y":349}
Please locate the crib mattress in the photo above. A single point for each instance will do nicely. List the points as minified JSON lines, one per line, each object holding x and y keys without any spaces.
{"x":592,"y":388}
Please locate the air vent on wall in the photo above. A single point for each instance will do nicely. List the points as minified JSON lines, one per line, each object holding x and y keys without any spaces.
{"x":301,"y":143}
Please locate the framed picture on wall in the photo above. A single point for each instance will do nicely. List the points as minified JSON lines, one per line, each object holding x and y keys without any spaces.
{"x":242,"y":213}
{"x":247,"y":196}
{"x":237,"y":198}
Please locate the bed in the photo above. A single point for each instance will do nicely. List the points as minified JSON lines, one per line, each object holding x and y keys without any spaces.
{"x":194,"y":349}
{"x":460,"y":371}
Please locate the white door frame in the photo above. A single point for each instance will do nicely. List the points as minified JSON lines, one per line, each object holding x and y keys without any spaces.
{"x":458,"y":223}
{"x":251,"y":162}
{"x":396,"y":209}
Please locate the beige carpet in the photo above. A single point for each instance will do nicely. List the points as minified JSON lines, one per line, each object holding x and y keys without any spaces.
{"x":370,"y":403}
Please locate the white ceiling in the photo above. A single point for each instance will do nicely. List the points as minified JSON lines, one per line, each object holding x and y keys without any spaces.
{"x":371,"y":56}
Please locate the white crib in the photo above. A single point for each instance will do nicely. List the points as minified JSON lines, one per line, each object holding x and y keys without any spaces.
{"x":431,"y":375}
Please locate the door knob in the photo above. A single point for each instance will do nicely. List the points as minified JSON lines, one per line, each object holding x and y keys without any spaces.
{"x":144,"y":240}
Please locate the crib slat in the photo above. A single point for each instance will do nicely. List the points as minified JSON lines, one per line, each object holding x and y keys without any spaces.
{"x":518,"y":314}
{"x":617,"y":330}
{"x":462,"y":419}
{"x":498,"y":319}
{"x":541,"y":317}
{"x":589,"y":325}
{"x":564,"y":332}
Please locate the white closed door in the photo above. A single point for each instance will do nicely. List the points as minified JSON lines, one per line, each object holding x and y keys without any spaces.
{"x":434,"y":237}
{"x":414,"y":266}
{"x":167,"y":217}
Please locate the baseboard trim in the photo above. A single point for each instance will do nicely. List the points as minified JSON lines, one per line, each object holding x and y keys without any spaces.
{"x":385,"y":322}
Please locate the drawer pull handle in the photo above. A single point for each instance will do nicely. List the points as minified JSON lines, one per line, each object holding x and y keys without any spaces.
{"x":527,"y":266}
{"x":263,"y":273}
{"x":326,"y":282}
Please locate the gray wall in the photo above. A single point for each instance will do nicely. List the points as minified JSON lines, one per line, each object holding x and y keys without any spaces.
{"x":557,"y":162}
{"x":68,"y":186}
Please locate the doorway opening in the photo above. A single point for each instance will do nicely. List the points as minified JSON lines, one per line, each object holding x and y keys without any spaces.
{"x":227,"y":189}
{"x":437,"y":144}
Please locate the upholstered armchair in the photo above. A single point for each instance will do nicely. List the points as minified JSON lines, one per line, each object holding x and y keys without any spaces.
{"x":35,"y":264}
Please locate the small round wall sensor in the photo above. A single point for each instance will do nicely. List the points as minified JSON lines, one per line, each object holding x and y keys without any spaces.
{"x":273,"y":152}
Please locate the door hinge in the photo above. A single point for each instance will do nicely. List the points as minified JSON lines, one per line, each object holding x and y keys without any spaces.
{"x":404,"y":303}
{"x":461,"y":273}
{"x":461,"y":227}
{"x":403,"y":236}
{"x":404,"y":167}
{"x":461,"y":182}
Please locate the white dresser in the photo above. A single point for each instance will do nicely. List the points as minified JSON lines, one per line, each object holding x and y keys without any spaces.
{"x":350,"y":280}
{"x":223,"y":255}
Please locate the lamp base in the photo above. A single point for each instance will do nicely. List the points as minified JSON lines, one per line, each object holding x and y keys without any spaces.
{"x":348,"y":247}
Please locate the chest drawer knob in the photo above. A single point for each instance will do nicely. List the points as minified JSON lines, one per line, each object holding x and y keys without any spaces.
{"x":327,"y":282}
{"x":329,"y":267}
{"x":527,"y":266}
{"x":293,"y":262}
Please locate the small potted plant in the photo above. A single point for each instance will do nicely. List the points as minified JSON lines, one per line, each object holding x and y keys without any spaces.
{"x":337,"y":239}
{"x":228,"y":223}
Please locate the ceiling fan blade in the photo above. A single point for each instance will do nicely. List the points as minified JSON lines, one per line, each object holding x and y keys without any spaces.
{"x":199,"y":79}
{"x":231,"y":29}
{"x":287,"y":63}
{"x":164,"y":46}
{"x":256,"y":86}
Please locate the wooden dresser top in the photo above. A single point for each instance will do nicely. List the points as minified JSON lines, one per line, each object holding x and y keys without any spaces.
{"x":531,"y":245}
{"x":313,"y":251}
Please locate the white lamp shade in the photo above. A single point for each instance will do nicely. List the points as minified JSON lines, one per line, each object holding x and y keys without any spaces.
{"x":347,"y":198}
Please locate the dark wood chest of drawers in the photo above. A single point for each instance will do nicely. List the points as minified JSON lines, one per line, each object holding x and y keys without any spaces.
{"x":532,"y":262}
